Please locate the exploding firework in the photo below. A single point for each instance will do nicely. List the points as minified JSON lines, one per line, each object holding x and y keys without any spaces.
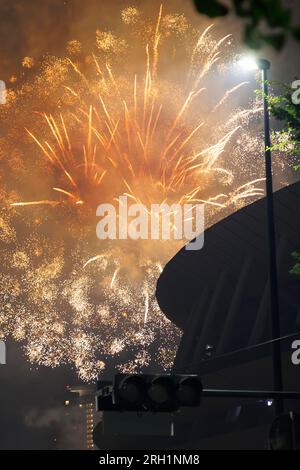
{"x":136,"y":116}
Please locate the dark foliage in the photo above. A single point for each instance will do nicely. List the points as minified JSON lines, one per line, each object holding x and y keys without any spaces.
{"x":266,"y":21}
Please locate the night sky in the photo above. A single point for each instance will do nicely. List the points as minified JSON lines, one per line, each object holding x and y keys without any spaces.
{"x":31,"y":398}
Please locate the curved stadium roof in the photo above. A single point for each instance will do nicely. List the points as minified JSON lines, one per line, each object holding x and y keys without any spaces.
{"x":226,"y":283}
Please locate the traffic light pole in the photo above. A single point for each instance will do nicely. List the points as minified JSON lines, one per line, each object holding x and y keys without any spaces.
{"x":258,"y":394}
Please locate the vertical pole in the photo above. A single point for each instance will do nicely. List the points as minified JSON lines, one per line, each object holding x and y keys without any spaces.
{"x":275,"y":318}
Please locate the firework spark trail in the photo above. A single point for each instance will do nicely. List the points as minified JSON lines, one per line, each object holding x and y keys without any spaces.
{"x":94,"y":258}
{"x":116,"y":132}
{"x":173,"y":167}
{"x":114,"y":277}
{"x":146,"y":307}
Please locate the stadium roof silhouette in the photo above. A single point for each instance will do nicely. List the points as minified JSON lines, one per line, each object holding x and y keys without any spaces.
{"x":221,"y":293}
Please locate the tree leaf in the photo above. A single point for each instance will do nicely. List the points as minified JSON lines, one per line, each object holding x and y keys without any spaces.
{"x":211,"y":8}
{"x":277,"y":40}
{"x":296,"y":32}
{"x":253,"y":37}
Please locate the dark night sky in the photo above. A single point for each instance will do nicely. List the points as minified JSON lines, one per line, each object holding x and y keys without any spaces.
{"x":34,"y":27}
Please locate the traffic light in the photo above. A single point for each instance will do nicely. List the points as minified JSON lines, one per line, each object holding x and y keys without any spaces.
{"x":285,"y":432}
{"x":143,"y":392}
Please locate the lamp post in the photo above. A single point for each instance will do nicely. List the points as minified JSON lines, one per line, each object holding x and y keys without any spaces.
{"x":264,"y":65}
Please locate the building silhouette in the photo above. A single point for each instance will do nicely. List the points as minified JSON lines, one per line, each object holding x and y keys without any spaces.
{"x":219,"y":298}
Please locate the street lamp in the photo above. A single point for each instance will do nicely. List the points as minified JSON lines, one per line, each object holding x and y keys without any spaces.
{"x":250,"y":63}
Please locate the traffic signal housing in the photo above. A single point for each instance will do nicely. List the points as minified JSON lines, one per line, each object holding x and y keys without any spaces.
{"x":155,"y":392}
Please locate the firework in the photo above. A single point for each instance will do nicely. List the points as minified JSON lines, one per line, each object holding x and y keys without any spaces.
{"x":135,"y":117}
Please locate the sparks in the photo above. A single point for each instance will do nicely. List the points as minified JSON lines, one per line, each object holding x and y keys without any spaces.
{"x":93,"y":126}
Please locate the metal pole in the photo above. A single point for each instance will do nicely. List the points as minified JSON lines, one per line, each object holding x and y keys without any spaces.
{"x":264,"y":66}
{"x":258,"y":394}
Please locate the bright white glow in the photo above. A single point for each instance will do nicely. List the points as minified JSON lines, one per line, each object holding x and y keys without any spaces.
{"x":270,"y":402}
{"x":248,"y":63}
